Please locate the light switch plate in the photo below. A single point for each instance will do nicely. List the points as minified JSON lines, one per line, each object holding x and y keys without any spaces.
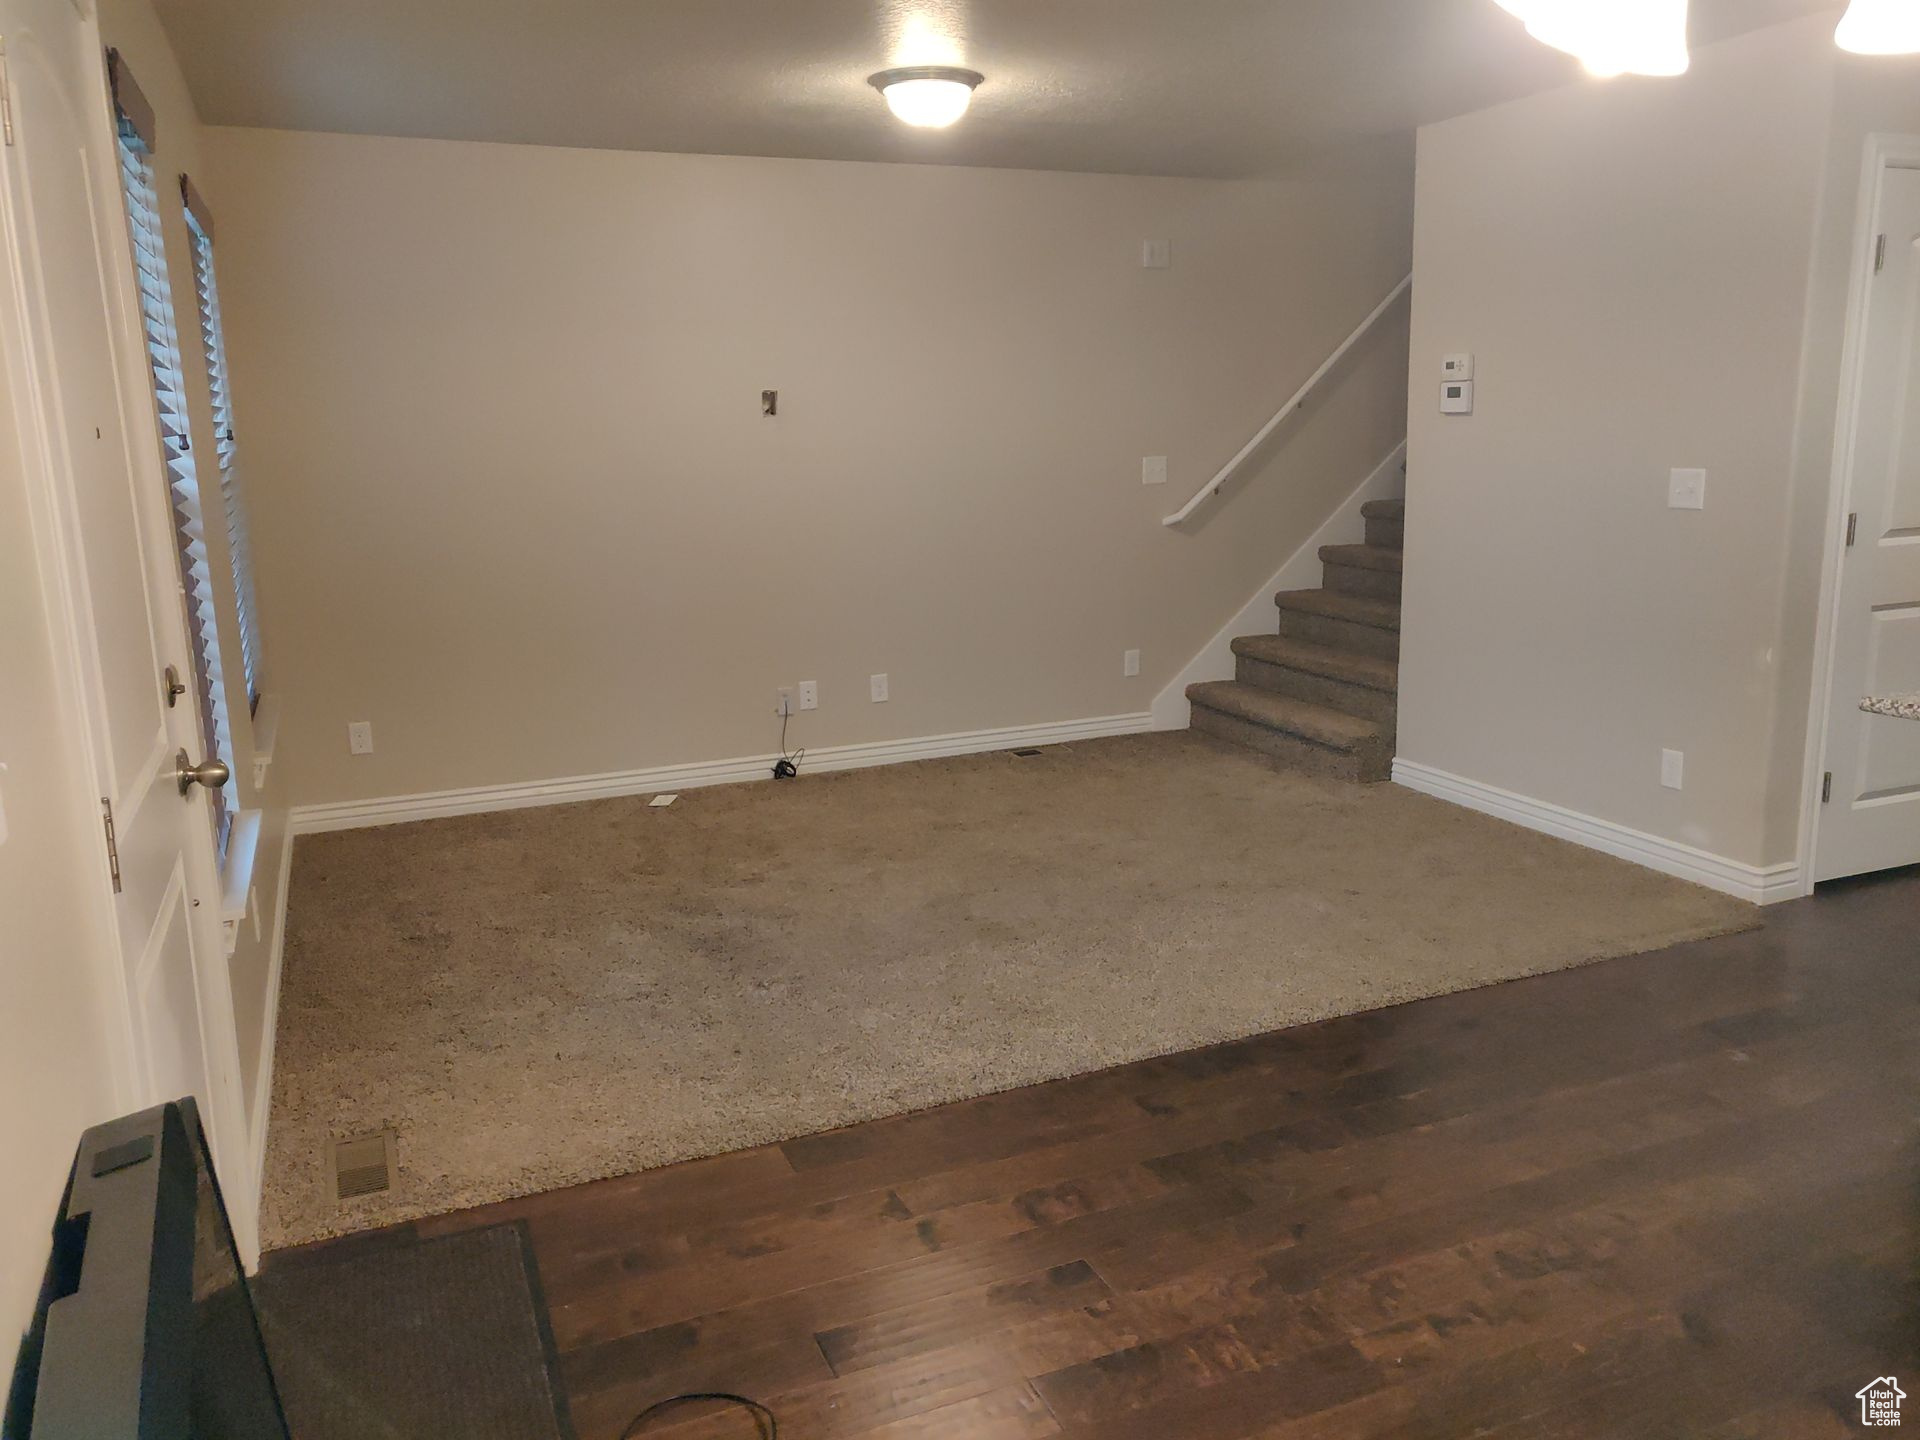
{"x":1153,"y":470}
{"x":1687,"y":490}
{"x":1156,"y":254}
{"x":1130,"y":663}
{"x":1673,"y":769}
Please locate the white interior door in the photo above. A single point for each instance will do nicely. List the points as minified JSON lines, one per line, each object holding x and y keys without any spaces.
{"x":1871,"y":819}
{"x":90,"y":434}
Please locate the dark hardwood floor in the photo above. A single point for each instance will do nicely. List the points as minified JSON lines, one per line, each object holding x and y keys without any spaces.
{"x":1673,"y":1195}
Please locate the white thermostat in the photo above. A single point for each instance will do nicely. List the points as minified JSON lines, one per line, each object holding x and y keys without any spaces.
{"x":1456,"y":397}
{"x":1456,"y":367}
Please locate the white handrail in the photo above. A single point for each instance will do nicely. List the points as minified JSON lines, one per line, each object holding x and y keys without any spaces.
{"x":1214,"y":486}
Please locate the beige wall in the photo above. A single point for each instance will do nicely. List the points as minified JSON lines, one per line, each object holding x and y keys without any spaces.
{"x":1636,"y":266}
{"x":132,"y":27}
{"x":519,"y":509}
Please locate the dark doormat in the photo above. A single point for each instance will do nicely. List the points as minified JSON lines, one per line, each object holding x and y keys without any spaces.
{"x":391,"y":1337}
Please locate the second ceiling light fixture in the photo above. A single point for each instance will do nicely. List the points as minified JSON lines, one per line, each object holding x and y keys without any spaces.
{"x":1649,"y":37}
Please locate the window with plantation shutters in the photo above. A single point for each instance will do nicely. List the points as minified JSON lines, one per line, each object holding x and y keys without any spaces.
{"x":170,"y":406}
{"x":213,"y":345}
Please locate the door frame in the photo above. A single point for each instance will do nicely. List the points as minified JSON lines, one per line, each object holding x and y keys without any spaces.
{"x":1883,"y":153}
{"x":50,"y":508}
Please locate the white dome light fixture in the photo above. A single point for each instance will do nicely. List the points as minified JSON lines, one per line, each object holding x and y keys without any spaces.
{"x":1880,"y":27}
{"x":931,"y":97}
{"x":1615,"y":37}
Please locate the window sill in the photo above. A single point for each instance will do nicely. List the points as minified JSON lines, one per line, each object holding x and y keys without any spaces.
{"x":266,"y":730}
{"x":236,"y":880}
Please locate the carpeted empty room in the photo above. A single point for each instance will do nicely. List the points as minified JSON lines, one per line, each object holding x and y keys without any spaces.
{"x":959,"y":719}
{"x":533,"y":998}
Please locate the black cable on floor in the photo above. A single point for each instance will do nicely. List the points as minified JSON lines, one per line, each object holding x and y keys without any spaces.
{"x":787,"y":766}
{"x":763,"y":1420}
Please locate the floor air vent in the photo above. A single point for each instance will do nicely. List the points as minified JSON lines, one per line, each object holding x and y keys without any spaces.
{"x":1027,"y":754}
{"x":362,"y":1165}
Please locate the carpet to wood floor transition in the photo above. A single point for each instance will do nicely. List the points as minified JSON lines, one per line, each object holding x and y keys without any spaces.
{"x":541,"y":997}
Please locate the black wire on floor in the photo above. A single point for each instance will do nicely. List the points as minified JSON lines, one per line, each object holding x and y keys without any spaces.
{"x":763,"y":1420}
{"x":787,"y":766}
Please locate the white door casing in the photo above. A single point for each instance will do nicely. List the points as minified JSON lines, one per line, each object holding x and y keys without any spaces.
{"x":1869,"y":818}
{"x":91,"y":451}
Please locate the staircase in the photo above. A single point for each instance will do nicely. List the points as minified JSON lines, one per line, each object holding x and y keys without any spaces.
{"x":1322,"y":694}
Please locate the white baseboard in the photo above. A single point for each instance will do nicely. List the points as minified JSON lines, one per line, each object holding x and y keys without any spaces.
{"x":1302,"y":571}
{"x":1766,"y":885}
{"x":263,"y":1067}
{"x":398,"y":809}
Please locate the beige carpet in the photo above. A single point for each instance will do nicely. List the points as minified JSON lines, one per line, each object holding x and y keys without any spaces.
{"x":548,"y":996}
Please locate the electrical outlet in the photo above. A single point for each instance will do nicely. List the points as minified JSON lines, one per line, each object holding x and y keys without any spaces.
{"x":360,"y":737}
{"x":877,"y":684}
{"x":783,"y":701}
{"x":809,"y":694}
{"x":1687,"y":490}
{"x":1673,"y":769}
{"x":1153,"y":470}
{"x":1130,"y":663}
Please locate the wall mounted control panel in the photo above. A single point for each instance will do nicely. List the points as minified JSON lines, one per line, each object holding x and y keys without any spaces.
{"x":1456,"y":384}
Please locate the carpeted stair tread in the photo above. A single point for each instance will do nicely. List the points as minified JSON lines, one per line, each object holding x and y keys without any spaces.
{"x":1384,"y":510}
{"x":1295,"y":717}
{"x":1380,"y":614}
{"x":1363,"y":557}
{"x":1355,"y":669}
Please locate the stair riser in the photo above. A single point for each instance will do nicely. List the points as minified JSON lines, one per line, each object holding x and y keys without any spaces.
{"x":1338,"y":695}
{"x":1387,"y":534}
{"x":1364,"y":767}
{"x":1352,"y":580}
{"x":1338,"y":634}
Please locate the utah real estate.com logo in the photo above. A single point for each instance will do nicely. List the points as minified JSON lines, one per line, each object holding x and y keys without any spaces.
{"x":1880,"y":1402}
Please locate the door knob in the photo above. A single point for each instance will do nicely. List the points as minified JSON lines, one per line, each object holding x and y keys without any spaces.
{"x":212,"y":773}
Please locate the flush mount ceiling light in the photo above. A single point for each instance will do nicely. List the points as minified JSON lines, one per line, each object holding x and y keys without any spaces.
{"x":929,"y":96}
{"x":1881,"y":27}
{"x":1613,"y":37}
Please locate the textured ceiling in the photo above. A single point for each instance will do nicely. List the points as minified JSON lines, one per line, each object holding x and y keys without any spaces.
{"x":1166,"y":87}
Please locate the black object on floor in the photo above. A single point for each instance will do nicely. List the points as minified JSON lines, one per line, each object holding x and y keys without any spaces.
{"x":392,"y":1337}
{"x":765,"y":1424}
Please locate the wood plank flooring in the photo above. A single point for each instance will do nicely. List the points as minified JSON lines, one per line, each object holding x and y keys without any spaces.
{"x":1672,"y":1195}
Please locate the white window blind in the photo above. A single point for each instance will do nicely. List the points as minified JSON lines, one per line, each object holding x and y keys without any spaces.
{"x":213,"y":344}
{"x":176,"y":448}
